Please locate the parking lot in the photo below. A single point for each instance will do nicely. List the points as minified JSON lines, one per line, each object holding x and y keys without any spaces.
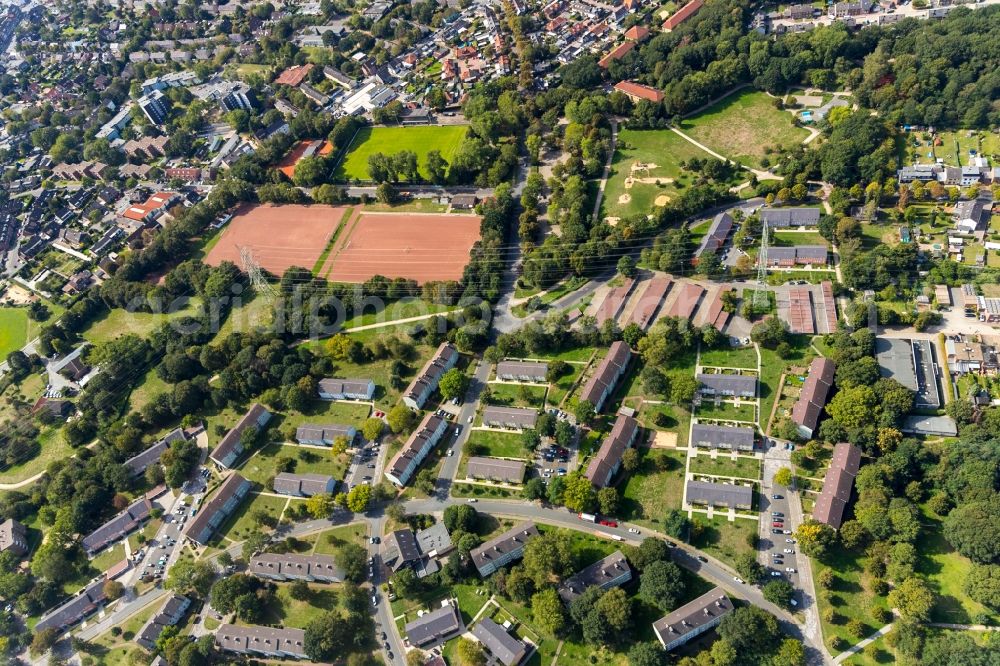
{"x":777,"y":547}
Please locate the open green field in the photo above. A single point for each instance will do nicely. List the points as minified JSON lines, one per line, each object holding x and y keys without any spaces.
{"x":322,"y":412}
{"x":722,"y":538}
{"x":389,"y":140}
{"x":52,"y":447}
{"x":13,"y":329}
{"x":117,"y":322}
{"x":745,"y":468}
{"x":284,"y":611}
{"x":675,"y":419}
{"x":742,"y":125}
{"x":25,"y":392}
{"x":946,"y":571}
{"x":240,"y":523}
{"x":725,"y":411}
{"x":394,"y":311}
{"x":793,"y":238}
{"x":728,"y":357}
{"x":498,"y":444}
{"x":261,"y":468}
{"x":150,"y":386}
{"x":656,"y":487}
{"x":250,"y":314}
{"x":847,"y":597}
{"x":328,"y":541}
{"x":516,"y":395}
{"x":666,"y":150}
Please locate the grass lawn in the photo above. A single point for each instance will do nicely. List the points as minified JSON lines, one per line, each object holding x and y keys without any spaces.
{"x":240,"y":524}
{"x":322,"y":412}
{"x":389,"y":140}
{"x":401,"y":309}
{"x":772,"y":366}
{"x":953,"y":146}
{"x":13,"y":329}
{"x":725,"y":411}
{"x":52,"y":447}
{"x":284,"y":611}
{"x":247,"y":316}
{"x":516,"y":395}
{"x":724,"y":539}
{"x":117,"y":322}
{"x":411,"y":206}
{"x":742,"y":125}
{"x":676,"y":419}
{"x":793,"y":238}
{"x":732,"y":357}
{"x":26,"y":391}
{"x":658,"y":485}
{"x":499,"y":444}
{"x":261,"y":468}
{"x":745,"y":468}
{"x":572,"y":355}
{"x":847,"y":597}
{"x":328,"y":541}
{"x":385,"y":395}
{"x":150,"y":386}
{"x":663,"y":148}
{"x":477,"y":490}
{"x":946,"y":571}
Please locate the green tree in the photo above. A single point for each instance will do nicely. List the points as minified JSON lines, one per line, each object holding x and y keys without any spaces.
{"x":769,"y":333}
{"x":749,"y":568}
{"x":814,"y":537}
{"x":461,"y":517}
{"x":662,"y":585}
{"x":677,"y":524}
{"x":913,"y":598}
{"x":579,"y":493}
{"x":470,"y":653}
{"x":790,"y":653}
{"x":189,"y":577}
{"x":453,"y":384}
{"x":401,"y":419}
{"x":974,"y":531}
{"x":584,"y":411}
{"x":547,"y":611}
{"x":982,"y":584}
{"x":351,"y":559}
{"x":607,"y":500}
{"x":372,"y":429}
{"x":783,"y":477}
{"x":779,"y":592}
{"x":682,"y":389}
{"x":534,"y":489}
{"x":358,"y":498}
{"x":647,"y":654}
{"x":750,"y":630}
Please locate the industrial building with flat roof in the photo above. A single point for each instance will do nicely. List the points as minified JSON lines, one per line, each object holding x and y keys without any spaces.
{"x":912,"y":364}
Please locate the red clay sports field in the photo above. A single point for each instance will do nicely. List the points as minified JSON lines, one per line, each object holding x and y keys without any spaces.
{"x":419,"y":246}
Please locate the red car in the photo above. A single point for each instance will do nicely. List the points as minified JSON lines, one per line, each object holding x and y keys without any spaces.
{"x":777,"y":524}
{"x":609,"y":523}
